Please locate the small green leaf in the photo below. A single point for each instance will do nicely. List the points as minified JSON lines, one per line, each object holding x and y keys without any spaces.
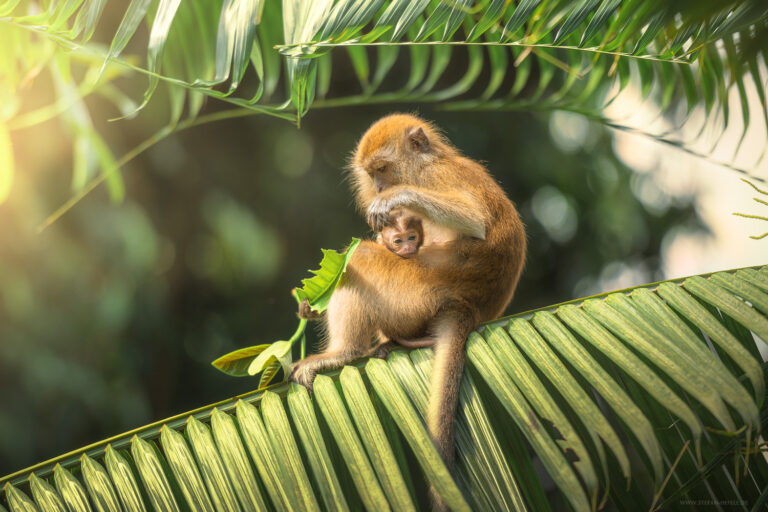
{"x":98,"y":484}
{"x":278,"y":351}
{"x":161,"y":26}
{"x":45,"y":495}
{"x":152,"y":475}
{"x":578,"y":14}
{"x":133,"y":16}
{"x":359,"y":57}
{"x":412,"y":11}
{"x":269,"y":374}
{"x":522,"y":14}
{"x":211,"y":466}
{"x":262,"y":453}
{"x":318,"y":289}
{"x":184,"y":469}
{"x":374,"y":439}
{"x":236,"y":363}
{"x":17,"y":500}
{"x":491,"y":15}
{"x":70,"y":490}
{"x":125,"y":483}
{"x":602,"y":15}
{"x":311,"y":436}
{"x":236,"y":461}
{"x":360,"y":469}
{"x":284,"y":444}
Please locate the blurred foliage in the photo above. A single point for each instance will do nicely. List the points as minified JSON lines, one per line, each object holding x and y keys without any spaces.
{"x":110,"y":318}
{"x":274,"y":58}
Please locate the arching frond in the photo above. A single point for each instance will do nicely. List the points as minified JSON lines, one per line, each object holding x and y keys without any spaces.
{"x":671,"y":370}
{"x":681,"y":58}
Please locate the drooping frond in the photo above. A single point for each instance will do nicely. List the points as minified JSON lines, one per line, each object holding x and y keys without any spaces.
{"x":670,"y":369}
{"x":682,"y":58}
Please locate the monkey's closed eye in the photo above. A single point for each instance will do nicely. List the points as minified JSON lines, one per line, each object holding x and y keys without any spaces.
{"x":381,"y":168}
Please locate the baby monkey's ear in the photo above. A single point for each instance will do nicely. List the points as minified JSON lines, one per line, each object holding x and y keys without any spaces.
{"x":418,"y":140}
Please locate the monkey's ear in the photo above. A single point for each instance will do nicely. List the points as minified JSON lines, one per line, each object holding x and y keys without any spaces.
{"x":418,"y":140}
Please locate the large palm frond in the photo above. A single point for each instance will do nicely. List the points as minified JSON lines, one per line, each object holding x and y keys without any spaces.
{"x":663,"y":383}
{"x":685,"y":57}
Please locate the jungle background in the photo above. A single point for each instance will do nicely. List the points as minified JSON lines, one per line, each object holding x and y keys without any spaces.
{"x":110,"y":317}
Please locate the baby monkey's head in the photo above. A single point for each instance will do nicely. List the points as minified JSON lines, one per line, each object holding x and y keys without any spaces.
{"x":403,"y":236}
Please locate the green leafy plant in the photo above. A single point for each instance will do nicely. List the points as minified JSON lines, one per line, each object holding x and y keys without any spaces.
{"x":684,"y":57}
{"x":667,"y":377}
{"x":268,"y":359}
{"x":645,"y":397}
{"x":757,"y":200}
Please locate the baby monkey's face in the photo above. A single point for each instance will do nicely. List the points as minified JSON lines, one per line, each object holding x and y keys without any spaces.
{"x":404,"y":236}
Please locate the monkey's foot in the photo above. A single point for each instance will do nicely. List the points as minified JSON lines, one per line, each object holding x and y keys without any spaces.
{"x":303,"y":374}
{"x":306,"y":312}
{"x":382,"y":350}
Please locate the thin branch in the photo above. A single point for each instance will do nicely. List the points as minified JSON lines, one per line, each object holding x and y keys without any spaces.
{"x":136,"y":151}
{"x":761,"y":191}
{"x":686,"y":149}
{"x":326,"y":44}
{"x":669,"y":475}
{"x":88,"y":50}
{"x":748,"y":216}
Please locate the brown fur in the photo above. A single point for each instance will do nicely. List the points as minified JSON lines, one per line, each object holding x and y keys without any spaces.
{"x":404,"y":162}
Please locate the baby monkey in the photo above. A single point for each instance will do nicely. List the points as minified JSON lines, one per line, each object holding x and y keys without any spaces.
{"x":403,"y":235}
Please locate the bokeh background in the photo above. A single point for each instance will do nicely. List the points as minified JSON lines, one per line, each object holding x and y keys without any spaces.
{"x":110,"y":317}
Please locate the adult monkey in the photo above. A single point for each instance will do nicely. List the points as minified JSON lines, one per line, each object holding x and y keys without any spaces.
{"x":402,"y":161}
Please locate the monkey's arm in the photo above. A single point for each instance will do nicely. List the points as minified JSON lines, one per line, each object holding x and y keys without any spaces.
{"x":455,"y":210}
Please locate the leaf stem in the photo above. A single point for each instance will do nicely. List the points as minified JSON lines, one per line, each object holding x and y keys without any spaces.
{"x":299,"y":331}
{"x":136,"y":151}
{"x":326,"y":44}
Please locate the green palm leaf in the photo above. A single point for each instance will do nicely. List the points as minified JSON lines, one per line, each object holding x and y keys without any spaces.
{"x":569,"y":381}
{"x":566,"y":57}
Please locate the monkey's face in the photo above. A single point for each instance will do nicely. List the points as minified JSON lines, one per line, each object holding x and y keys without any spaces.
{"x":404,"y":236}
{"x":396,"y":150}
{"x":403,"y":243}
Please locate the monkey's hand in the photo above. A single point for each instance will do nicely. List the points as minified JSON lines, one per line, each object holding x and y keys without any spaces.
{"x":379,"y":212}
{"x":377,"y":215}
{"x":303,"y":374}
{"x":306,"y":312}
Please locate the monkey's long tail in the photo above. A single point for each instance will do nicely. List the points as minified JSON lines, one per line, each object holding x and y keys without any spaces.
{"x":453,"y":325}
